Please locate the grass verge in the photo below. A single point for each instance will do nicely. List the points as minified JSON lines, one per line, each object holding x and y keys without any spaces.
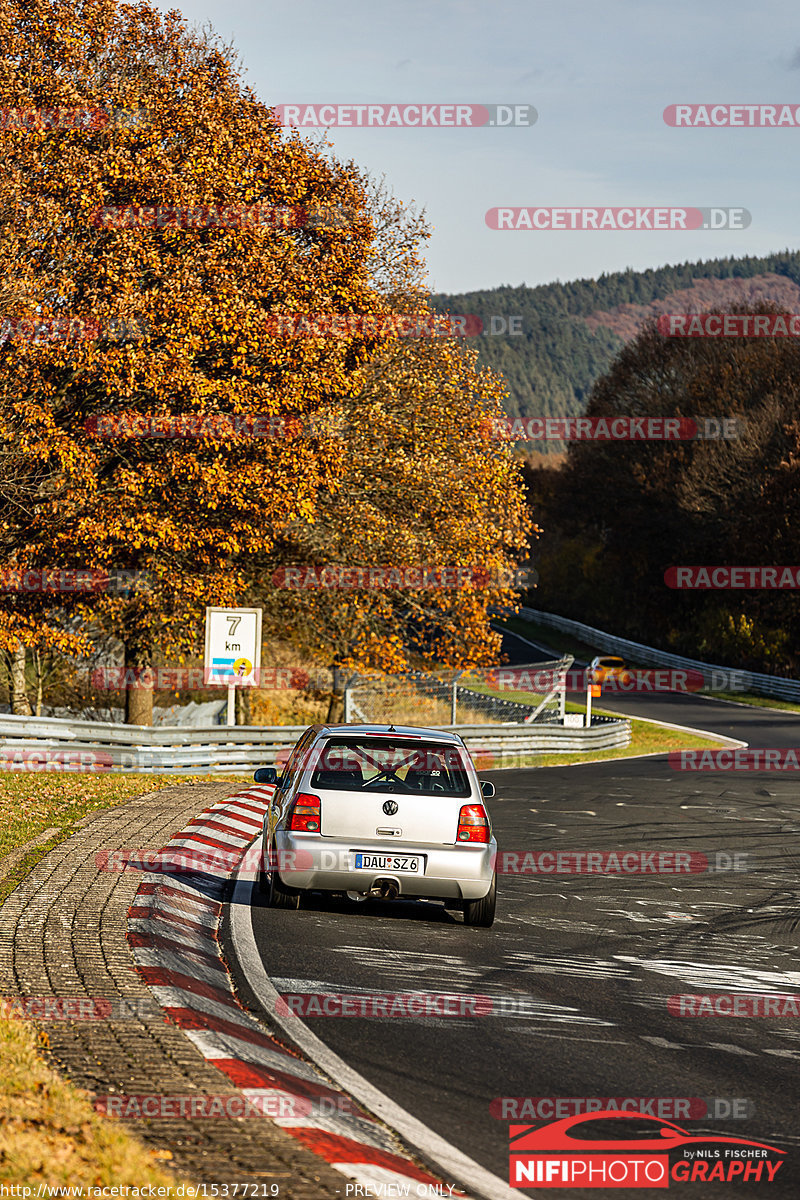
{"x":31,"y":804}
{"x":50,"y":1133}
{"x":560,"y":643}
{"x":646,"y":738}
{"x":754,"y":701}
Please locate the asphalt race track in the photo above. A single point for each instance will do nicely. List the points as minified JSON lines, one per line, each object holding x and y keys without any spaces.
{"x":582,"y":965}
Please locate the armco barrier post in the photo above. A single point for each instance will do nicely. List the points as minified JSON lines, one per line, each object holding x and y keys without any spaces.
{"x":454,"y":698}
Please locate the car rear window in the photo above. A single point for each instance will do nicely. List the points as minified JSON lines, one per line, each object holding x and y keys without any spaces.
{"x":386,"y":765}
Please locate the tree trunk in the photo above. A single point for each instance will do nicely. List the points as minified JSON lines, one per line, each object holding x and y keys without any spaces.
{"x":243,"y":712}
{"x":39,"y":668}
{"x":336,"y":707}
{"x":20,"y":704}
{"x":138,"y":683}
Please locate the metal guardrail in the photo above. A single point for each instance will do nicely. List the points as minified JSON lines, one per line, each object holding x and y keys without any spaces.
{"x":104,"y":746}
{"x":505,"y":745}
{"x":96,"y":746}
{"x":718,"y":679}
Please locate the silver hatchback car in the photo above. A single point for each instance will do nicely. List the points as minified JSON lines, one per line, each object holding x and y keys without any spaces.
{"x":382,"y":812}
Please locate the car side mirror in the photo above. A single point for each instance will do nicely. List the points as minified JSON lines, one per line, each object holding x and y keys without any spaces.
{"x":266,"y":775}
{"x":487,"y":789}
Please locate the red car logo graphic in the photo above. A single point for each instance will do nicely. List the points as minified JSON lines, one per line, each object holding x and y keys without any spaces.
{"x":666,"y":1136}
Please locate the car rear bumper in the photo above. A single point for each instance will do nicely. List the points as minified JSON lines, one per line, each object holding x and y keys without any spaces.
{"x":458,"y":872}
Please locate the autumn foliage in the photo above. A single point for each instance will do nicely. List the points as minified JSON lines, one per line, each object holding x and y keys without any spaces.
{"x":182,"y":313}
{"x":620,"y":514}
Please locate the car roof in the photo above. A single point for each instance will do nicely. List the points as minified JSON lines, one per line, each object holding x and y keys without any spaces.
{"x":417,"y":731}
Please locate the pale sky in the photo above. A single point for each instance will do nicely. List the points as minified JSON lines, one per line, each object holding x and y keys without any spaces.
{"x":599,"y":77}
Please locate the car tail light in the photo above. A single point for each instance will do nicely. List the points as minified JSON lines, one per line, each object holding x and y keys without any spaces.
{"x":473,"y":824}
{"x":306,"y":814}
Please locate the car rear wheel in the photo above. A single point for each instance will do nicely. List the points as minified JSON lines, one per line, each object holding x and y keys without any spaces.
{"x":481,"y":912}
{"x":276,"y":892}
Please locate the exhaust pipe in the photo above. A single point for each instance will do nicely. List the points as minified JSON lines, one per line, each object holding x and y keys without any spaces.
{"x":385,"y":889}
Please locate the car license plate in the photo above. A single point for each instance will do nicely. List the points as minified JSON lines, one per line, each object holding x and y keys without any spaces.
{"x":409,"y":864}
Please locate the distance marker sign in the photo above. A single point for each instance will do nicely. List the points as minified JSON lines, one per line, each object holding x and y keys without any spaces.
{"x":233,"y":647}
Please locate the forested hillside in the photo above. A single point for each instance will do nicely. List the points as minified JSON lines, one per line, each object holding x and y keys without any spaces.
{"x":572,"y":331}
{"x":657,"y":505}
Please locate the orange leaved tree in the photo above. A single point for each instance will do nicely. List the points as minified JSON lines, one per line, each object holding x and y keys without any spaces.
{"x":416,"y":538}
{"x":147,"y":242}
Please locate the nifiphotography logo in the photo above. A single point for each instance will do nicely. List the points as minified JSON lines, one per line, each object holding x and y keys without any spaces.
{"x":625,"y":1149}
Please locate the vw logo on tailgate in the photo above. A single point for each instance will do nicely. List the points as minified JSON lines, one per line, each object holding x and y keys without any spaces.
{"x":390,"y":808}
